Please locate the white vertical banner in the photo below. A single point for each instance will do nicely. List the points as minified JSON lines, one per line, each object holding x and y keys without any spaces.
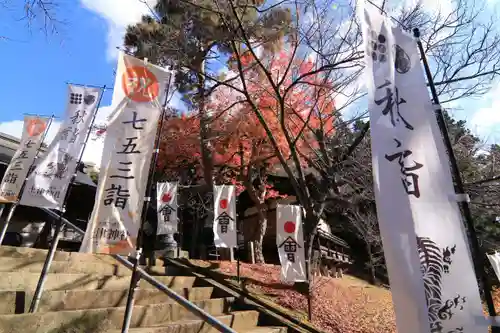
{"x":433,"y":284}
{"x":290,"y":243}
{"x":129,"y":145}
{"x":166,"y":205}
{"x":33,"y":133}
{"x":495,"y":263}
{"x":46,"y":186}
{"x":225,"y":216}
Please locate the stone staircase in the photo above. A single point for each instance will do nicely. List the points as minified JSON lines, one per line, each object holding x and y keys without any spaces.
{"x":87,"y":294}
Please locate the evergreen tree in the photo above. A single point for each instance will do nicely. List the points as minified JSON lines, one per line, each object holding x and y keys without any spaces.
{"x":189,"y":36}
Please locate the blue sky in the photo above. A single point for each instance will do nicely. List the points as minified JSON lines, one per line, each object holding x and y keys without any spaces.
{"x":36,"y":68}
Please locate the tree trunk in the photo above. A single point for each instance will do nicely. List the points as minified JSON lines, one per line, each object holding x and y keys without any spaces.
{"x":206,"y":154}
{"x":257,"y":195}
{"x":259,"y":239}
{"x":373,"y":278}
{"x":42,"y":241}
{"x":195,"y":236}
{"x":310,"y":231}
{"x":309,"y":255}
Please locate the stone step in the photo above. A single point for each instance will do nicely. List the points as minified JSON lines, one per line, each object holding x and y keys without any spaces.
{"x":40,"y":254}
{"x":14,"y":281}
{"x":28,"y":255}
{"x":201,"y":327}
{"x":71,"y":267}
{"x":269,"y":329}
{"x":104,"y":320}
{"x":12,"y":302}
{"x":79,"y":267}
{"x":240,"y":321}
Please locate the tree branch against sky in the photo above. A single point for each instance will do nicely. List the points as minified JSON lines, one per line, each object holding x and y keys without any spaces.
{"x":460,"y":43}
{"x":189,"y":36}
{"x":46,"y":15}
{"x":320,"y":32}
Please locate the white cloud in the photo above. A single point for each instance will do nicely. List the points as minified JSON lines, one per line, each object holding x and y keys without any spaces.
{"x":93,"y":151}
{"x":15,"y":129}
{"x":118,"y":14}
{"x":485,"y":122}
{"x":445,"y":7}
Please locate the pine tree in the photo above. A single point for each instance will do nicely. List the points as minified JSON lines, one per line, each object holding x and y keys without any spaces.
{"x":190,"y":35}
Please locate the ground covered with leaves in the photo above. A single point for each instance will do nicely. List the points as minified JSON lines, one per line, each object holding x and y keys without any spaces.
{"x":346,"y":305}
{"x":340,"y":305}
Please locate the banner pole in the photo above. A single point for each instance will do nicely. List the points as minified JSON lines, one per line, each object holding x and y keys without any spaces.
{"x":40,"y":115}
{"x":180,"y":230}
{"x":238,"y":263}
{"x":238,"y":231}
{"x":135,"y":277}
{"x":59,"y":224}
{"x":476,"y":249}
{"x":15,"y":204}
{"x":309,"y":284}
{"x":104,"y":88}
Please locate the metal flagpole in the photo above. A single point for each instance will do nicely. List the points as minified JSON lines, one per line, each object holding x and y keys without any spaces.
{"x":134,"y":279}
{"x":239,"y":223}
{"x":59,"y":224}
{"x":238,"y":249}
{"x":180,"y":228}
{"x":309,"y":298}
{"x":464,"y":204}
{"x":2,"y":207}
{"x":39,"y":115}
{"x":104,"y":88}
{"x":238,"y":231}
{"x":15,"y":204}
{"x":238,"y":262}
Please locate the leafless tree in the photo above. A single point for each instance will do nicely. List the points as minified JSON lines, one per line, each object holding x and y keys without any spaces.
{"x":463,"y":51}
{"x":40,"y":14}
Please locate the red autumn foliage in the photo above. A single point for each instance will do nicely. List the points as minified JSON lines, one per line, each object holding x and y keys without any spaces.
{"x":180,"y":144}
{"x":279,"y":114}
{"x":239,"y":140}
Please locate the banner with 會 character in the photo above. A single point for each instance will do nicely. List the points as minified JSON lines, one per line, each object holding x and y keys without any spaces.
{"x":166,"y":205}
{"x":129,"y":143}
{"x":33,"y":133}
{"x":46,"y":186}
{"x":290,"y":243}
{"x":433,"y":284}
{"x":225,"y":216}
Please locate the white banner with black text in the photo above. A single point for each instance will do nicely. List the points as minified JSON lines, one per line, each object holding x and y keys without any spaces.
{"x":46,"y":186}
{"x":129,"y":145}
{"x":166,"y":205}
{"x":224,"y":226}
{"x":33,"y":133}
{"x":290,"y":243}
{"x":433,"y":284}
